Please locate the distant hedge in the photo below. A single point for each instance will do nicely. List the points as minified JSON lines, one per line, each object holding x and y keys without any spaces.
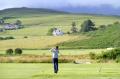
{"x":6,"y":38}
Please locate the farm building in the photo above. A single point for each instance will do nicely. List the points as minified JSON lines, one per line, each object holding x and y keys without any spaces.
{"x":9,"y":26}
{"x":57,"y":32}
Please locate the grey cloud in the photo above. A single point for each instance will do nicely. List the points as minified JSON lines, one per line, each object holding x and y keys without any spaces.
{"x":55,"y":3}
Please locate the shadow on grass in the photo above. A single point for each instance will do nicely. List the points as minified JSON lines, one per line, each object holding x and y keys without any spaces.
{"x":45,"y":75}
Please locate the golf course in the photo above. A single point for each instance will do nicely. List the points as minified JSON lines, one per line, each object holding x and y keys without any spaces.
{"x":80,"y":53}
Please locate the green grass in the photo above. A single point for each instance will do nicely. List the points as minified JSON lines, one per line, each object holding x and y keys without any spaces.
{"x":36,"y":42}
{"x":109,"y":37}
{"x":27,"y":12}
{"x":41,"y":24}
{"x":66,"y":71}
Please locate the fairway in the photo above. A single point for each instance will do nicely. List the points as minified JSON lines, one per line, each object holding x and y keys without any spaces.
{"x":66,"y":71}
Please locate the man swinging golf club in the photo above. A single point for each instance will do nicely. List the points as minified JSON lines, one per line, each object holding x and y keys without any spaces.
{"x":55,"y":52}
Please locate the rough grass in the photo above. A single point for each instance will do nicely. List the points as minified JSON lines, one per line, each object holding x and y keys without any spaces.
{"x":66,"y":71}
{"x":109,"y":37}
{"x":45,"y":56}
{"x":41,"y":58}
{"x":37,"y":42}
{"x":39,"y":26}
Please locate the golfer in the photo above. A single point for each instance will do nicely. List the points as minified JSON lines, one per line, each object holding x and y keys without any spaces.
{"x":55,"y":52}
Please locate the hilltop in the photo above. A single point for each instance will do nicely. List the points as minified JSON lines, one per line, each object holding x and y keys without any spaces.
{"x":24,"y":11}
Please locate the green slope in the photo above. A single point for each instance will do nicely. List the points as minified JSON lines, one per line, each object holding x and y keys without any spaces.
{"x":37,"y":22}
{"x":20,"y":12}
{"x":110,"y":37}
{"x":63,"y":21}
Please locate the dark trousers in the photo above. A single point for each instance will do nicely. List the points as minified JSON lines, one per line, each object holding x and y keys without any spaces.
{"x":55,"y":62}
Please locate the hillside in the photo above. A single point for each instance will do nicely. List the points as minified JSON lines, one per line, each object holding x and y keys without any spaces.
{"x":37,"y":25}
{"x":17,"y":12}
{"x":38,"y":22}
{"x":109,"y":37}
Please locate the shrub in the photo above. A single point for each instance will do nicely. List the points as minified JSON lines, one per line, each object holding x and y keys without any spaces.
{"x":9,"y":51}
{"x":92,"y":55}
{"x":18,"y":22}
{"x":110,"y":55}
{"x":1,"y":38}
{"x":68,"y":32}
{"x":10,"y":37}
{"x":74,"y":28}
{"x":18,"y":51}
{"x":104,"y":55}
{"x":50,"y":31}
{"x":102,"y":27}
{"x":6,"y":38}
{"x":117,"y":22}
{"x":118,"y":59}
{"x":25,"y":37}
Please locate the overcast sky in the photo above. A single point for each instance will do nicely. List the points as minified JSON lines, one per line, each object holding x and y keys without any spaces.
{"x":55,"y":3}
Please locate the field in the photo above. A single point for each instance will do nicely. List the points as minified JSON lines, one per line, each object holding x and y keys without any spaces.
{"x":62,"y":52}
{"x":36,"y":29}
{"x":39,"y":25}
{"x":66,"y":71}
{"x":33,"y":42}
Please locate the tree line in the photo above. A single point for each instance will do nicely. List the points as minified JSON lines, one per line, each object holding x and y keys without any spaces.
{"x":86,"y":26}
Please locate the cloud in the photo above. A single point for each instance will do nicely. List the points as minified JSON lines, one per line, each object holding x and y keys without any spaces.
{"x":55,"y":3}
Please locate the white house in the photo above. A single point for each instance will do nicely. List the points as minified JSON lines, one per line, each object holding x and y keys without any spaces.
{"x":8,"y":26}
{"x":57,"y":32}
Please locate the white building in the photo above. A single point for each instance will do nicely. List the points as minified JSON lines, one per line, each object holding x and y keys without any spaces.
{"x":57,"y":32}
{"x":11,"y":26}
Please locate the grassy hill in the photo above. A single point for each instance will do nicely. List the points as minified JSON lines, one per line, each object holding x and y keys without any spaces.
{"x":20,"y":12}
{"x":109,"y":37}
{"x":41,"y":24}
{"x":37,"y":22}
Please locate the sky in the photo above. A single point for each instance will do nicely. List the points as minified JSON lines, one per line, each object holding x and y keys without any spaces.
{"x":55,"y":3}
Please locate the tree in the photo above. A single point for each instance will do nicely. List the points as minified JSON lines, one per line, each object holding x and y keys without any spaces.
{"x":50,"y":31}
{"x":74,"y":28}
{"x":1,"y":21}
{"x":9,"y":51}
{"x":18,"y":51}
{"x":18,"y":22}
{"x":87,"y":26}
{"x":102,"y":27}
